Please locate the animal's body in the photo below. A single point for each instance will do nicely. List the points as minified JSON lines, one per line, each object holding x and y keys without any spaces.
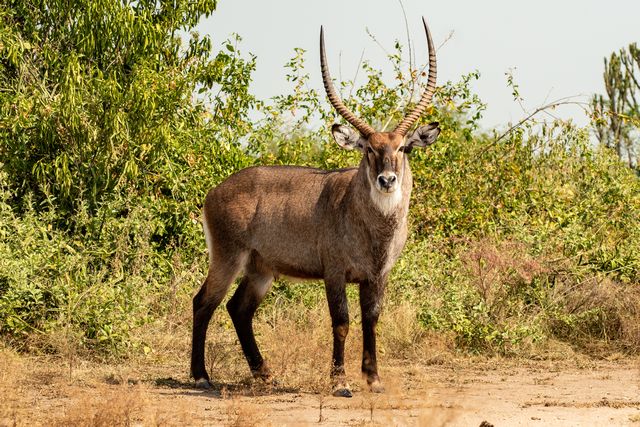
{"x":342,"y":226}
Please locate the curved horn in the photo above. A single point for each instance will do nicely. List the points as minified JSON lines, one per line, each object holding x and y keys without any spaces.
{"x":412,"y":117}
{"x":334,"y":98}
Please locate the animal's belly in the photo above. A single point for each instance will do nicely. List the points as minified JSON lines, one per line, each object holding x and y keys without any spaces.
{"x":295,"y":271}
{"x":291,"y":257}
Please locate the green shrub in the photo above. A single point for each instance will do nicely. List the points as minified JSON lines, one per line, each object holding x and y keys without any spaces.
{"x":106,"y":156}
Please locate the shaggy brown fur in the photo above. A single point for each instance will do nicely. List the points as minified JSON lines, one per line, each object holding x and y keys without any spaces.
{"x":311,"y":224}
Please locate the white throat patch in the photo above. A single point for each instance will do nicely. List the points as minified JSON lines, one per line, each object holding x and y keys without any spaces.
{"x":386,"y":203}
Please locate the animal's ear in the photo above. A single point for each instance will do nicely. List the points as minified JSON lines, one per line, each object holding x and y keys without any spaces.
{"x":348,"y":138}
{"x":423,"y":136}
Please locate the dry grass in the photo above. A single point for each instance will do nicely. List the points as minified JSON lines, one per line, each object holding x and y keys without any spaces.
{"x":9,"y":387}
{"x":40,"y":391}
{"x":70,"y":390}
{"x":297,"y":345}
{"x":296,"y":342}
{"x":495,"y":267}
{"x":122,"y":406}
{"x":607,"y":313}
{"x":400,"y":336}
{"x":241,"y":414}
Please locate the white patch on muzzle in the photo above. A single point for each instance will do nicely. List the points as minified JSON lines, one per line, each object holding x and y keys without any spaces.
{"x":385,"y":202}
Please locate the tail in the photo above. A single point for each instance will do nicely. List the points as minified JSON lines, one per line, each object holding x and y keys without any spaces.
{"x":207,"y":234}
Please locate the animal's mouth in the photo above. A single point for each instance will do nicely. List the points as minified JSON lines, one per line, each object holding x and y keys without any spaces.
{"x":387,"y":191}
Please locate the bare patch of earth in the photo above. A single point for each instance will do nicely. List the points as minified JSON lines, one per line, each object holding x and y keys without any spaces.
{"x":458,"y":393}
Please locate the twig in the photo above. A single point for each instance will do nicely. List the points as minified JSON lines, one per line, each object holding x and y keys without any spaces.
{"x":554,"y":104}
{"x":340,"y":67}
{"x":406,"y":26}
{"x":411,"y":76}
{"x":446,"y":39}
{"x":370,"y":34}
{"x":353,"y":82}
{"x":391,"y":114}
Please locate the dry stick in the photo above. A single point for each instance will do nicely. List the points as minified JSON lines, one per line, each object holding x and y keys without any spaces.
{"x":321,"y":417}
{"x":406,"y":26}
{"x":355,"y":77}
{"x":554,"y":117}
{"x":561,"y":101}
{"x":546,"y":98}
{"x":413,"y":81}
{"x":395,"y":109}
{"x":370,"y":34}
{"x":631,"y":73}
{"x":340,"y":67}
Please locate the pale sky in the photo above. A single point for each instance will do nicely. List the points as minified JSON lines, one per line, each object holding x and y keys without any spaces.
{"x":556,"y":46}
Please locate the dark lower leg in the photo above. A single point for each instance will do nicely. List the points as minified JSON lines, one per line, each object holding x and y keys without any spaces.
{"x":369,"y":362}
{"x":339,"y":336}
{"x":202,"y":312}
{"x":339,"y":310}
{"x":370,"y":306}
{"x":242,"y":308}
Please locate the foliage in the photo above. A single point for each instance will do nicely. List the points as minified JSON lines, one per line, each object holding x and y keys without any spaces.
{"x":617,"y":115}
{"x":100,"y":133}
{"x":109,"y":141}
{"x":103,"y":105}
{"x":509,"y":236}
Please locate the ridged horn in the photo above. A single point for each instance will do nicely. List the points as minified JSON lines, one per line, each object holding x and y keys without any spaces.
{"x":334,"y":98}
{"x":414,"y":115}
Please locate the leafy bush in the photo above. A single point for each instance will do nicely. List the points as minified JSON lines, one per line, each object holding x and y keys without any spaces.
{"x":100,"y":136}
{"x":109,"y":144}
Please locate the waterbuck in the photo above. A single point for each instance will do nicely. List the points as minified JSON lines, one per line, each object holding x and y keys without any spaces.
{"x":342,"y":226}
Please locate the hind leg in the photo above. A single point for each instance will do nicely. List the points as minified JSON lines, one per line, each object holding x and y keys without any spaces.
{"x":221,"y":275}
{"x":242,"y":307}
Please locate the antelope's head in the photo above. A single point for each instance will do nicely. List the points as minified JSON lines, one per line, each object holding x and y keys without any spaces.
{"x":383,"y":152}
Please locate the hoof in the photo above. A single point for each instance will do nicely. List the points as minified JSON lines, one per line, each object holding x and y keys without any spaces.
{"x":267,"y":379}
{"x":203,"y":383}
{"x":342,"y":391}
{"x":376,"y":387}
{"x":274,"y":382}
{"x":340,"y":386}
{"x":264,"y":373}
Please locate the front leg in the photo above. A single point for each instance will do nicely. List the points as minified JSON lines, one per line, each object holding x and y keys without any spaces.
{"x":371,"y":303}
{"x":339,"y":309}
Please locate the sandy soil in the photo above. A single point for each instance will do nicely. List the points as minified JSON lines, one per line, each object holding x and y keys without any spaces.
{"x":460,"y":393}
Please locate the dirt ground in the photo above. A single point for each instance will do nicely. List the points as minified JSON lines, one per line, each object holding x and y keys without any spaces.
{"x":463,"y":392}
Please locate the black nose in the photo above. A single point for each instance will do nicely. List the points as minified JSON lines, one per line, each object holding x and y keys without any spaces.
{"x":386,"y":181}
